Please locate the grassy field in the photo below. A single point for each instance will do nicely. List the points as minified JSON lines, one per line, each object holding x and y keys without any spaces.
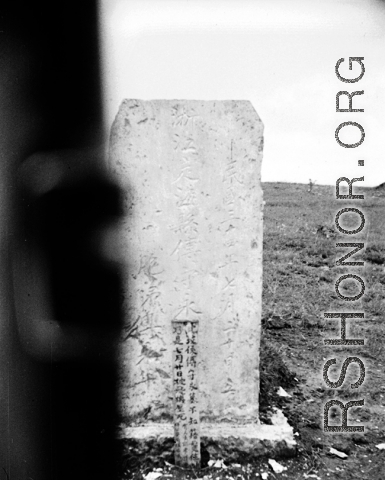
{"x":300,"y":272}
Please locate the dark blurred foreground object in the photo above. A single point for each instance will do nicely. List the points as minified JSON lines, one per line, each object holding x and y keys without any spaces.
{"x":60,"y":283}
{"x":67,"y":297}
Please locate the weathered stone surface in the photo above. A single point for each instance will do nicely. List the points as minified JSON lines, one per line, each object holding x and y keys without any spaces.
{"x":236,"y":443}
{"x":193,"y":238}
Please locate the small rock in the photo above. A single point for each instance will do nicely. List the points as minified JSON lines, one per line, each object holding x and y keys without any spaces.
{"x":343,"y":446}
{"x":333,"y":451}
{"x":277,"y":467}
{"x":381,"y":446}
{"x":264,"y":475}
{"x":216,"y":464}
{"x":152,"y":475}
{"x":282,"y":393}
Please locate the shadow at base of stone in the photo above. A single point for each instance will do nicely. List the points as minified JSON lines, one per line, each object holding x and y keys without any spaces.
{"x":152,"y":444}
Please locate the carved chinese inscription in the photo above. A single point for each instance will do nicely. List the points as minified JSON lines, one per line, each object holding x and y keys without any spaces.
{"x":185,"y":387}
{"x":192,"y":236}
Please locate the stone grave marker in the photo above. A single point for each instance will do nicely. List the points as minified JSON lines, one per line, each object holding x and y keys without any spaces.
{"x":192,"y":237}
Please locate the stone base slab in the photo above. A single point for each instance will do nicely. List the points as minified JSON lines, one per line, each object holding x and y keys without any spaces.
{"x":230,"y":442}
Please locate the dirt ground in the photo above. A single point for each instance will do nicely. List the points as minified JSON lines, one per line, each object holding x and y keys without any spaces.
{"x":300,"y":272}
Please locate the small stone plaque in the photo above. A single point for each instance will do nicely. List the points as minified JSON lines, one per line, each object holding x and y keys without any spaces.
{"x":186,"y":394}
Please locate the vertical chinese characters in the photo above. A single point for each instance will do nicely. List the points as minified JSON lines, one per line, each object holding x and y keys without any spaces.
{"x":185,"y":383}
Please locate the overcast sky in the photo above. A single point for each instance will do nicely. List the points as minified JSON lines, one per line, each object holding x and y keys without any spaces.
{"x":278,"y":54}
